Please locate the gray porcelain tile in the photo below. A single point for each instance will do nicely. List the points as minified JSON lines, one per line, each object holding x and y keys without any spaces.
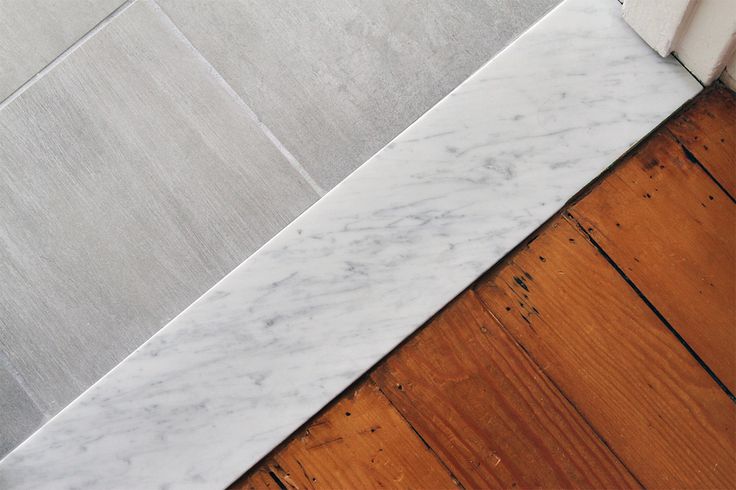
{"x":335,"y":80}
{"x":131,"y":181}
{"x":34,"y":32}
{"x":19,"y":416}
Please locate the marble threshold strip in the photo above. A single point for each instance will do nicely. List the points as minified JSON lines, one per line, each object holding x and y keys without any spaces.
{"x":297,"y":322}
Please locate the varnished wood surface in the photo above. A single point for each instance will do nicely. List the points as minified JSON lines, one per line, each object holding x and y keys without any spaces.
{"x":616,"y":362}
{"x":362,"y":442}
{"x":599,"y":354}
{"x":489,"y":411}
{"x":708,"y":131}
{"x":669,"y":228}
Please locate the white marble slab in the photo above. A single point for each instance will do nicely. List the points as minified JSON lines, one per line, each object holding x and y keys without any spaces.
{"x":276,"y":339}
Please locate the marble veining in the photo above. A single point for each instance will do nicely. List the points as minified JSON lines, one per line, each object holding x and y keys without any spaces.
{"x":297,"y":322}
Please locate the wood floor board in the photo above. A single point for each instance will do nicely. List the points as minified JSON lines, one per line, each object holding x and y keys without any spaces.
{"x":489,"y":412}
{"x":360,"y":442}
{"x":672,"y":231}
{"x":708,"y":131}
{"x":627,"y":374}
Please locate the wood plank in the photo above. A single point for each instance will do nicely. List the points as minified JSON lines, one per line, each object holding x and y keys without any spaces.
{"x":672,"y":231}
{"x":708,"y":130}
{"x":488,"y":411}
{"x":360,"y":442}
{"x":647,"y":397}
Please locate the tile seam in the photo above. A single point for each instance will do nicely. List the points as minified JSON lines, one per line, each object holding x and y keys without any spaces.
{"x":272,"y":138}
{"x":64,"y":54}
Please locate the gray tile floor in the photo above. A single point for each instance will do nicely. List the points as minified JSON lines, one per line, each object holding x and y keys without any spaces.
{"x":34,"y":32}
{"x":175,"y":141}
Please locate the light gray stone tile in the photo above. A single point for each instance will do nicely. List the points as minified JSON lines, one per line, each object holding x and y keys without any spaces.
{"x":335,"y":80}
{"x":19,"y":416}
{"x":34,"y":32}
{"x":131,"y":180}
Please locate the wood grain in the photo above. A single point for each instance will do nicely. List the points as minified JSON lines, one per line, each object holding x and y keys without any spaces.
{"x":360,"y":442}
{"x":257,"y":480}
{"x":672,"y":231}
{"x":489,"y":412}
{"x":624,"y":371}
{"x":708,"y":131}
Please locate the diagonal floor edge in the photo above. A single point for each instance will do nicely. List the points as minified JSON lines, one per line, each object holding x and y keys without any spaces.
{"x":291,"y":327}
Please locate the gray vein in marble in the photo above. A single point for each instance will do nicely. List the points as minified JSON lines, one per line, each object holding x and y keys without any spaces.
{"x":297,"y":322}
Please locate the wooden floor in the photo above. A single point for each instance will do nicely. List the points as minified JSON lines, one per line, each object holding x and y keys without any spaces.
{"x":600,"y":353}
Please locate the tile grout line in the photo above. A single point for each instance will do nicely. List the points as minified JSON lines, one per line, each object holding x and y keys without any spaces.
{"x":251,"y":114}
{"x":296,"y":165}
{"x":64,"y":54}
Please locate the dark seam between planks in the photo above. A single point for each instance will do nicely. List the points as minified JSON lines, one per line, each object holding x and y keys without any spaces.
{"x":277,"y":480}
{"x":487,"y":308}
{"x":693,"y":159}
{"x":572,"y":220}
{"x":455,"y":479}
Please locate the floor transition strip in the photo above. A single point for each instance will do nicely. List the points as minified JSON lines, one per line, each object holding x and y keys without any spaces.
{"x":297,"y":322}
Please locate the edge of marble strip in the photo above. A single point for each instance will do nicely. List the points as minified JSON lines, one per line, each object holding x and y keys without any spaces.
{"x":196,"y":441}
